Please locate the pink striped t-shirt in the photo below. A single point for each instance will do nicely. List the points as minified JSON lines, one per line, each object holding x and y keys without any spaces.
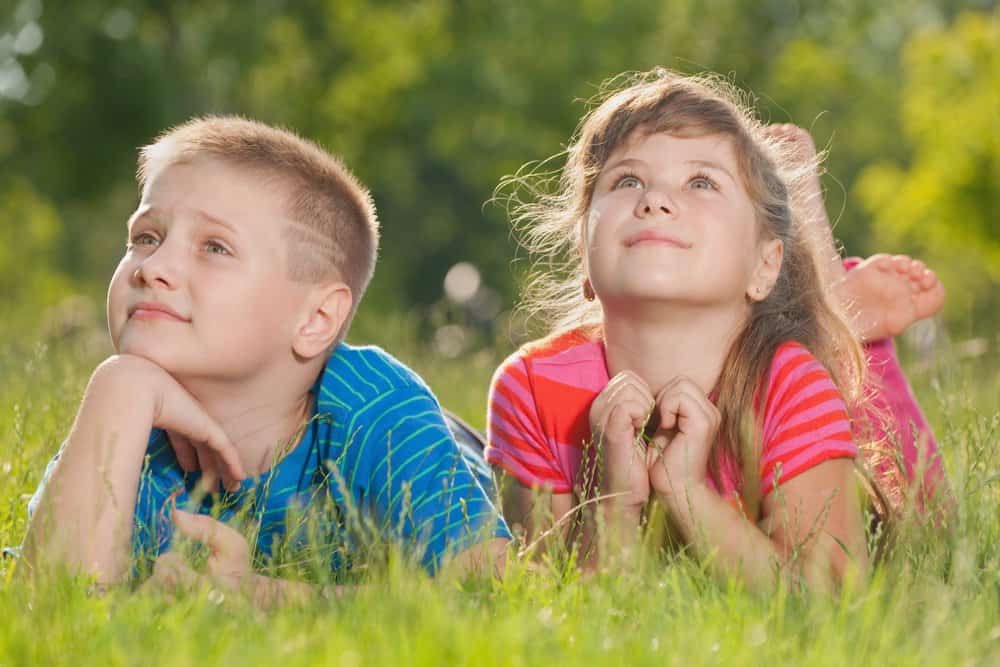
{"x":540,"y":397}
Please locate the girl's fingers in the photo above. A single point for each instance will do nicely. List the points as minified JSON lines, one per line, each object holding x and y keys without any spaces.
{"x":622,"y":420}
{"x":625,"y":388}
{"x":683,"y":406}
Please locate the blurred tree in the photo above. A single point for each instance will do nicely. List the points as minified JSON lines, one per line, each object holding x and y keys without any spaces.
{"x":430,"y":101}
{"x":944,"y":200}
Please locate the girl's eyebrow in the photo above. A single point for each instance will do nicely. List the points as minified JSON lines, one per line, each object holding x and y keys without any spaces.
{"x":708,"y":164}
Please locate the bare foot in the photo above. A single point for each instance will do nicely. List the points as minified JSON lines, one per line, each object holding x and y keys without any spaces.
{"x":885,"y":294}
{"x":798,"y":148}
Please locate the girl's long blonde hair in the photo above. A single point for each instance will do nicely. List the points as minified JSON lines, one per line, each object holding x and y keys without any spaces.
{"x":798,"y":308}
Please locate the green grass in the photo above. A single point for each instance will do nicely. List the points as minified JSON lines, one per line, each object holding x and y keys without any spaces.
{"x":935,"y":601}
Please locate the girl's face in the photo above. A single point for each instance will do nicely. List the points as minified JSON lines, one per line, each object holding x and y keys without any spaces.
{"x":671,"y":221}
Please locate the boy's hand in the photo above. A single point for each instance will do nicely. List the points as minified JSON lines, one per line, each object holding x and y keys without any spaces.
{"x":689,"y":423}
{"x":228,"y":563}
{"x":197,"y":439}
{"x":229,"y":559}
{"x":617,"y":418}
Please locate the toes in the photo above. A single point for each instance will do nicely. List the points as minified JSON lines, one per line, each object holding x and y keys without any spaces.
{"x":928,"y":280}
{"x":881,"y":261}
{"x":902,"y":263}
{"x":917,"y":269}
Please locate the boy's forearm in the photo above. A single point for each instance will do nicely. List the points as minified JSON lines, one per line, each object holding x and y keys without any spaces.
{"x":85,"y":514}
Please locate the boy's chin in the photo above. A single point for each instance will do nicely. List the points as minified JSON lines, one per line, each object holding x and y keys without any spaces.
{"x":155,"y":353}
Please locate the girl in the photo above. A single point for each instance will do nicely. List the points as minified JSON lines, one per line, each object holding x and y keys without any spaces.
{"x":695,"y":318}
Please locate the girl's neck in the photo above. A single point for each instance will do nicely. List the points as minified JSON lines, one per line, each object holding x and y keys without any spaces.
{"x":663,"y":343}
{"x":261,"y":423}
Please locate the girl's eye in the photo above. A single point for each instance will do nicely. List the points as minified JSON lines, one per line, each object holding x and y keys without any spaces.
{"x":627,"y":181}
{"x":703,"y":183}
{"x":216,"y":248}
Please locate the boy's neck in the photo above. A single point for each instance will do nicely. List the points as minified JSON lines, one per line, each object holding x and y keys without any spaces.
{"x":262,"y":422}
{"x":662,"y":343}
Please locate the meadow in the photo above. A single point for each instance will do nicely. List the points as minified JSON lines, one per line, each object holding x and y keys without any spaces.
{"x":935,"y":600}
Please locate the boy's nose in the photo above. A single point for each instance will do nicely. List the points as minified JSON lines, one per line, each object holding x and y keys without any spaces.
{"x":159,"y":269}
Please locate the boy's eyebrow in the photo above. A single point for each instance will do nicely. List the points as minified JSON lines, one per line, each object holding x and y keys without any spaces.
{"x":158,"y":215}
{"x":206,"y":217}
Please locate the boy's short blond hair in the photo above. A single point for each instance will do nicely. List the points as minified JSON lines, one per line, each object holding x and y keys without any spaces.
{"x":335,"y":234}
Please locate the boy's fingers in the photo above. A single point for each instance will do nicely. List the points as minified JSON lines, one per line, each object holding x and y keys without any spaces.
{"x":171,"y":572}
{"x":186,"y":456}
{"x":217,"y":536}
{"x":228,"y":483}
{"x":209,"y":473}
{"x":180,"y":412}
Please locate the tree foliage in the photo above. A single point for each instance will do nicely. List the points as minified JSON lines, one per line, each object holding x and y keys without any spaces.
{"x":432,"y":102}
{"x":943,"y":201}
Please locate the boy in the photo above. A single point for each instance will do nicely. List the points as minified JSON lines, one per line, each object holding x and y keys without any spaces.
{"x":246,"y":258}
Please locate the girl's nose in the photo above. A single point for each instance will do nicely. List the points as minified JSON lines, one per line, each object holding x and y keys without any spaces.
{"x":655,"y":201}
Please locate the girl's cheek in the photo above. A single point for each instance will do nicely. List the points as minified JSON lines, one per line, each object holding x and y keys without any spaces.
{"x":593,"y":220}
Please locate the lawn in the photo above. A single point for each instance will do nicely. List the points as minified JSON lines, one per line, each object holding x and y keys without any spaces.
{"x":935,"y":600}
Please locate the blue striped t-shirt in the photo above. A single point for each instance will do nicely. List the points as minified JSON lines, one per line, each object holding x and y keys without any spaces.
{"x":375,"y":464}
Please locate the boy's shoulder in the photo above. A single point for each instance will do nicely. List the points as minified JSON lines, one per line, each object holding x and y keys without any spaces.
{"x":357,"y":375}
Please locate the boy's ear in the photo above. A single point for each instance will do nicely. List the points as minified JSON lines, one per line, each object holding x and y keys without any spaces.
{"x":768,"y":267}
{"x":326,"y":312}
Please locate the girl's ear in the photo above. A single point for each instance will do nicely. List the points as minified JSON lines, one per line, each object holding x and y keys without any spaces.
{"x":326,"y":312}
{"x":768,"y":268}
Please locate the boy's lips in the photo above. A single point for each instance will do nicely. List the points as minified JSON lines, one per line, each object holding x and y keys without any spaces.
{"x":154,"y":310}
{"x":657,"y":237}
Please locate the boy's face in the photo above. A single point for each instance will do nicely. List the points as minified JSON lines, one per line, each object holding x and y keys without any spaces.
{"x":203,"y":289}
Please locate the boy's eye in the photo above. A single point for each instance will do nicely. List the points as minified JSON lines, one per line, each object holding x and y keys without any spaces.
{"x":627,"y":181}
{"x":216,"y":248}
{"x":142,"y":239}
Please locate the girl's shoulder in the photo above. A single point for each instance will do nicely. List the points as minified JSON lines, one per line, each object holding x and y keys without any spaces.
{"x":796,"y":377}
{"x":558,"y":343}
{"x":792,"y":360}
{"x":572,"y":357}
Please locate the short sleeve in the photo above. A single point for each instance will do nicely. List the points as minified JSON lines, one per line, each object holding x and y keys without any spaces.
{"x":401,"y":463}
{"x":516,"y":438}
{"x":805,"y":418}
{"x":36,"y":497}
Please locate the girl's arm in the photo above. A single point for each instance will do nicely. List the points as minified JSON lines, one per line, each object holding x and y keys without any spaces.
{"x":811,"y":529}
{"x":538,"y":517}
{"x":617,"y":417}
{"x":811,"y":525}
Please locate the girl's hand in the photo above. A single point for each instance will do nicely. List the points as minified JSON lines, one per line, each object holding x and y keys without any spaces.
{"x":689,"y":423}
{"x":617,"y":418}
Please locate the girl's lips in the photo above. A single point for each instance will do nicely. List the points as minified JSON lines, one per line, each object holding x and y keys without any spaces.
{"x":652,"y":236}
